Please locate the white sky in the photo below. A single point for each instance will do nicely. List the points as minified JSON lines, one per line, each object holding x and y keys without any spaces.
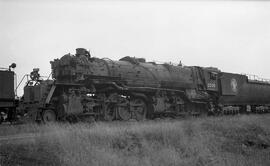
{"x":233,"y":36}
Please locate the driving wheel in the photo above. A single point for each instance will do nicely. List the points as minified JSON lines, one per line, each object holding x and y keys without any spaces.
{"x":48,"y":116}
{"x":109,"y":113}
{"x":139,"y":108}
{"x":124,"y":113}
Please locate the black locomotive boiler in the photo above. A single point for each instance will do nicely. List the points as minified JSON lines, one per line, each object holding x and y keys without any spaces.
{"x":89,"y":88}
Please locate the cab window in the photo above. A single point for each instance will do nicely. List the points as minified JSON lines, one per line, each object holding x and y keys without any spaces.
{"x":213,"y":76}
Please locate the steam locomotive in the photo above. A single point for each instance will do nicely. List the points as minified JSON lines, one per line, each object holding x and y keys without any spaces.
{"x":88,"y":88}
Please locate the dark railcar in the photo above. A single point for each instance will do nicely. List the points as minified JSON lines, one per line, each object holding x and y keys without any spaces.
{"x":7,"y":95}
{"x":6,"y":85}
{"x":237,"y":89}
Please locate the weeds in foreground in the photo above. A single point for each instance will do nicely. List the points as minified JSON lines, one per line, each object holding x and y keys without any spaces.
{"x":240,"y":140}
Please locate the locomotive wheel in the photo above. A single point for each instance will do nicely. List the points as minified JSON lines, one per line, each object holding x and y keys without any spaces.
{"x":124,"y":113}
{"x":140,"y":109}
{"x":109,"y":113}
{"x":48,"y":116}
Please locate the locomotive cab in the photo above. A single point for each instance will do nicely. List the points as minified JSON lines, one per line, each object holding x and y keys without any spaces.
{"x":211,"y":78}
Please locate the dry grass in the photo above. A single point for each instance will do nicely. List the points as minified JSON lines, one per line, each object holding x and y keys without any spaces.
{"x":239,"y":140}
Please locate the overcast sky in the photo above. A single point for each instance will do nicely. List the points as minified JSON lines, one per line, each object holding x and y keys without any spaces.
{"x":233,"y":36}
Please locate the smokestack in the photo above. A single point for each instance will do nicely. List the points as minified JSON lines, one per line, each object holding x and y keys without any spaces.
{"x":82,"y":51}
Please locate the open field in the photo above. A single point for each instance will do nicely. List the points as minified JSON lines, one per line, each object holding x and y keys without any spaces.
{"x":233,"y":140}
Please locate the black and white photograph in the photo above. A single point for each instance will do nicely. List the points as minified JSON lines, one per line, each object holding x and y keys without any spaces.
{"x":134,"y":83}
